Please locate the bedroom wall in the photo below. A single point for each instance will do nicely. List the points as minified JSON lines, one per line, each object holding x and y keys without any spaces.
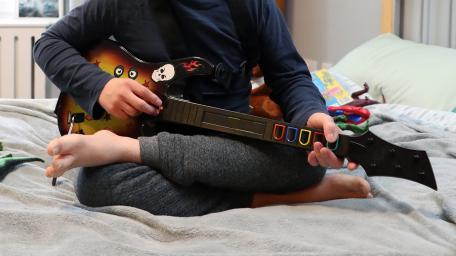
{"x":325,"y":30}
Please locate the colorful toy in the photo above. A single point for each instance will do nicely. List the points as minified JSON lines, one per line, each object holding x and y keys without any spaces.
{"x":9,"y":162}
{"x":350,"y":118}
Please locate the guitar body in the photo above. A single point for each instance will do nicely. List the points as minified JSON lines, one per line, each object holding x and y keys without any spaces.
{"x":69,"y":108}
{"x":112,"y":58}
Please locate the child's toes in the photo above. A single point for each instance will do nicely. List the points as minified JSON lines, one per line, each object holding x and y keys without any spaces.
{"x":49,"y":172}
{"x":53,"y":147}
{"x":61,"y":164}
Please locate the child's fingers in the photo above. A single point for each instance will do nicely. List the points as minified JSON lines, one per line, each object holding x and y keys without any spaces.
{"x":129,"y":110}
{"x":326,"y":158}
{"x":352,"y":166}
{"x":321,"y":158}
{"x":331,"y":159}
{"x":331,"y":131}
{"x":312,"y":159}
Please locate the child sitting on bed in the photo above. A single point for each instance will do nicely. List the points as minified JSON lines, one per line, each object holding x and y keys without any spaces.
{"x":180,"y":172}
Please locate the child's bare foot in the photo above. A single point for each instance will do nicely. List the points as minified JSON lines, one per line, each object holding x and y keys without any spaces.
{"x":333,"y":186}
{"x":76,"y":150}
{"x":339,"y":186}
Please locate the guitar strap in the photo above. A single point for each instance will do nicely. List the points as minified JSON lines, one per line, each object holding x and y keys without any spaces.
{"x":246,"y":30}
{"x":166,"y":21}
{"x":172,"y":39}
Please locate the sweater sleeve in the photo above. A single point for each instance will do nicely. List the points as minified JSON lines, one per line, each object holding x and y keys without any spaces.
{"x":58,"y":52}
{"x":285,"y":71}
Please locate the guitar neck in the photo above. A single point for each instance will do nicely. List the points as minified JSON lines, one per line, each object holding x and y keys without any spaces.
{"x":245,"y":125}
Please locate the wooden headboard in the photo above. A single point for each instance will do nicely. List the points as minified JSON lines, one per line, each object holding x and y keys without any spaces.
{"x":387,"y":18}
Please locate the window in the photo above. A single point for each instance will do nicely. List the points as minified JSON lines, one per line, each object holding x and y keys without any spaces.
{"x":8,"y":9}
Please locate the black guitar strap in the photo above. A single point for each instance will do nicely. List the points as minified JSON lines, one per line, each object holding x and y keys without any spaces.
{"x":172,"y":39}
{"x":247,"y":32}
{"x":166,"y":21}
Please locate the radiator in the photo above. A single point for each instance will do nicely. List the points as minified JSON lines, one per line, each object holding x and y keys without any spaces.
{"x":20,"y":77}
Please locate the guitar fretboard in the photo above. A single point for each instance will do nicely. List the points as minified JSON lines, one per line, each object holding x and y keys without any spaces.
{"x":197,"y":115}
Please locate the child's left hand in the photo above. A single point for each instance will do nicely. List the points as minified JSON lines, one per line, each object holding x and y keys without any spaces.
{"x":320,"y":155}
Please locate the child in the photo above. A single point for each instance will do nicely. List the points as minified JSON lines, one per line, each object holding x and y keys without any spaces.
{"x":180,"y":172}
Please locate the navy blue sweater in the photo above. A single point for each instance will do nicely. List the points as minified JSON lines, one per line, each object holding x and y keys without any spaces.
{"x":209,"y":32}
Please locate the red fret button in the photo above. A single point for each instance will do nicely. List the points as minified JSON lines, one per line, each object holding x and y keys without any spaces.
{"x":279,"y":132}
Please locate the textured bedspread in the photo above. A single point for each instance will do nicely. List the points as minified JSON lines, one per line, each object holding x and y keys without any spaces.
{"x":403,"y":218}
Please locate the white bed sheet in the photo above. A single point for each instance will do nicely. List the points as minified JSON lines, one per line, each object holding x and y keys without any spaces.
{"x":403,"y":218}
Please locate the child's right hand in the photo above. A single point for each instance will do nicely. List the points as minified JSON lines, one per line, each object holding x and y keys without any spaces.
{"x":125,"y":98}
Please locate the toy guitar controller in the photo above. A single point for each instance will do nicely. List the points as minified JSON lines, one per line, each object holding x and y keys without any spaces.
{"x":377,"y":156}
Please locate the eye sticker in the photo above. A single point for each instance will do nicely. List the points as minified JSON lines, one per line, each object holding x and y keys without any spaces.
{"x":118,"y":71}
{"x":133,"y":73}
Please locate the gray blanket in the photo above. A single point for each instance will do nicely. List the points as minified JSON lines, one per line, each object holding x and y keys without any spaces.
{"x":403,"y":218}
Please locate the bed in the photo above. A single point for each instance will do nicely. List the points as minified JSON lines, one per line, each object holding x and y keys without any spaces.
{"x":403,"y":218}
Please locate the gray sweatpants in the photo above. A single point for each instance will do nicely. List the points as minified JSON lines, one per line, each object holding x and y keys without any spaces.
{"x":195,"y":175}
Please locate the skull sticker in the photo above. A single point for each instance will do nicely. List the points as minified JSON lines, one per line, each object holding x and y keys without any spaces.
{"x":164,"y":73}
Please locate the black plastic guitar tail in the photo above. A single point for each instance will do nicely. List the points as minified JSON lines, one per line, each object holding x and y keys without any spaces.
{"x":381,"y":158}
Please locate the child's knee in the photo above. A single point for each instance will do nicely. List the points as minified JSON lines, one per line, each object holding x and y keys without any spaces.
{"x":95,"y":186}
{"x":128,"y":185}
{"x":317,"y":174}
{"x":90,"y":190}
{"x":141,"y":187}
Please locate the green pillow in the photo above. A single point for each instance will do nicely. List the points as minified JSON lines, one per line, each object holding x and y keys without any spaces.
{"x":404,"y":72}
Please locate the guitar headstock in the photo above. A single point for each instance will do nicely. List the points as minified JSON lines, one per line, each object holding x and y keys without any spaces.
{"x":381,"y":158}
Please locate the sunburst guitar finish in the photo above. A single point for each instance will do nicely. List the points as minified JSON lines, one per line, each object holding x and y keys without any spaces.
{"x":112,"y":58}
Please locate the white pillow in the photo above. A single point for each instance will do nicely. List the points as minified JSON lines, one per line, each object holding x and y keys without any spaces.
{"x":404,"y":72}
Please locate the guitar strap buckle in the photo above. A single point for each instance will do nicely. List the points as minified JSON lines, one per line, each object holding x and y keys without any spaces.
{"x":222,"y":75}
